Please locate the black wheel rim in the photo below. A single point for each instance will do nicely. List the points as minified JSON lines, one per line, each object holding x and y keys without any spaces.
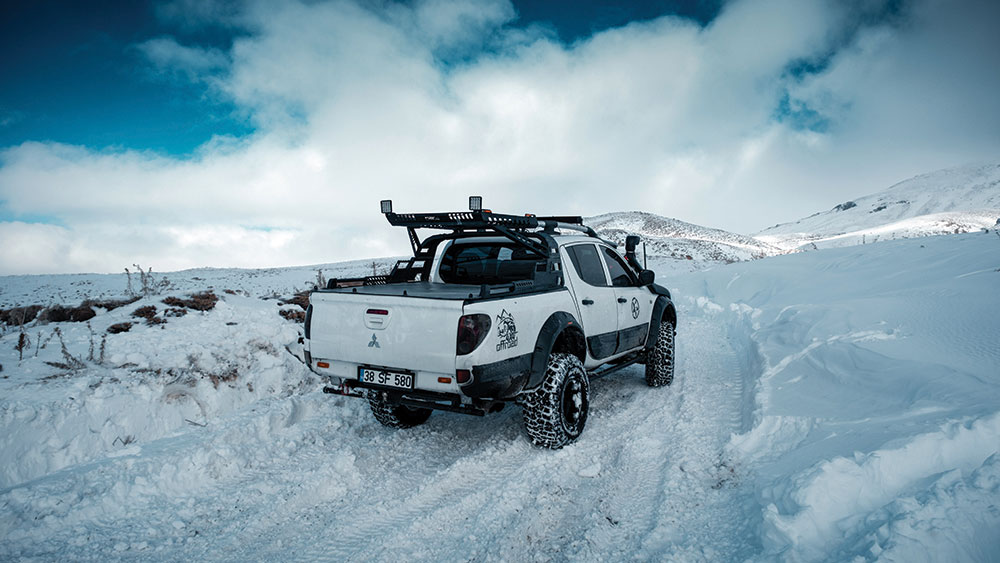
{"x":574,"y":405}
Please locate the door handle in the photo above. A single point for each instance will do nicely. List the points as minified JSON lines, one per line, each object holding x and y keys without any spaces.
{"x":622,"y":300}
{"x":587,"y":302}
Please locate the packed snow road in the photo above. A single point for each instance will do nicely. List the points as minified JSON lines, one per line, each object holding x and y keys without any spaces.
{"x":313,"y":476}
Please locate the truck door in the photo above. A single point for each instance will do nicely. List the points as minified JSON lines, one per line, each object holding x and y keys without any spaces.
{"x":634,"y":303}
{"x":596,"y":300}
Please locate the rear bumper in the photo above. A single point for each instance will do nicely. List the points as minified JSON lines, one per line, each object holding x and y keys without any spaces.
{"x":501,"y":380}
{"x":432,"y":381}
{"x":418,"y":399}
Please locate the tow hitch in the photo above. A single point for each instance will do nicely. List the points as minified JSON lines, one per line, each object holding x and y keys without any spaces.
{"x":343,"y":389}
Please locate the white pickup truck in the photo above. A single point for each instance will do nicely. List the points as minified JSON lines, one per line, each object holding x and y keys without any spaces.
{"x":496,"y":309}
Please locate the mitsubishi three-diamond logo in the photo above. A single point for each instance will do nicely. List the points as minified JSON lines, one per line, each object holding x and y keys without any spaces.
{"x":374,"y":342}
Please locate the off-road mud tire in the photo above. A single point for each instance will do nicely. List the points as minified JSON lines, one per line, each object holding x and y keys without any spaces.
{"x":660,"y":363}
{"x":556,"y":411}
{"x":396,"y":416}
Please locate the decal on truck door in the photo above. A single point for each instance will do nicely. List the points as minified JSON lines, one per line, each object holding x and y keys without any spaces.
{"x":635,"y":308}
{"x":506,"y":331}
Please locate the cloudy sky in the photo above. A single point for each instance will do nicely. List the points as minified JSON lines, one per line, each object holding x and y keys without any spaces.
{"x":193,"y":133}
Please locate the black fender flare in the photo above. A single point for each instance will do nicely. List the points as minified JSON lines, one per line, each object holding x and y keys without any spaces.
{"x":663,"y":308}
{"x":659,"y":290}
{"x":554,"y":326}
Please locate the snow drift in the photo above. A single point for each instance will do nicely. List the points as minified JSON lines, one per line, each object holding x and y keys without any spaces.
{"x":875,"y":419}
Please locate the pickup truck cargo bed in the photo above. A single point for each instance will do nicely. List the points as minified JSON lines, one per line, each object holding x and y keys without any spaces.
{"x":413,"y":289}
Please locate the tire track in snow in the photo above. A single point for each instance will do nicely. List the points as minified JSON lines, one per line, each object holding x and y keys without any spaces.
{"x":661,"y":490}
{"x":703,"y":517}
{"x":368,"y":531}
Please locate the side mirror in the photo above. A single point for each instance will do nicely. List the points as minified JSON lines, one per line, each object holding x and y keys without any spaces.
{"x":646,"y":277}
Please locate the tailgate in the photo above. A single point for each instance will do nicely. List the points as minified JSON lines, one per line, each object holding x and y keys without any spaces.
{"x":411,"y":333}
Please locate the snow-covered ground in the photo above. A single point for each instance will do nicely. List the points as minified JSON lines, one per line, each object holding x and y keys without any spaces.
{"x":841,"y":404}
{"x":872,"y":416}
{"x":71,"y":289}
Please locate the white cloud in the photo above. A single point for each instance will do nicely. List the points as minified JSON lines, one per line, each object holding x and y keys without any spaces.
{"x":34,"y":248}
{"x":457,"y":23}
{"x":167,"y":55}
{"x":356,"y":103}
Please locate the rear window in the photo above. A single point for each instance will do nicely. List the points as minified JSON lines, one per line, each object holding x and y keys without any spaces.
{"x":489,"y":263}
{"x":588,"y":264}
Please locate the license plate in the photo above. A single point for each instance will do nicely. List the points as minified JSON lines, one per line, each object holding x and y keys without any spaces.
{"x":386,"y":378}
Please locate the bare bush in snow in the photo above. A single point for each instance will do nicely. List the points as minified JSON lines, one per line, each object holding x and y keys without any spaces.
{"x":148,"y":284}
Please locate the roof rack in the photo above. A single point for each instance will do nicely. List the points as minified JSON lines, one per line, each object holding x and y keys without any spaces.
{"x":479,"y":219}
{"x":462,"y":221}
{"x":485,"y":219}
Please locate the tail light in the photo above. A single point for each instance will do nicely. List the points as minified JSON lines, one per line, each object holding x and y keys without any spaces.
{"x":472,"y":331}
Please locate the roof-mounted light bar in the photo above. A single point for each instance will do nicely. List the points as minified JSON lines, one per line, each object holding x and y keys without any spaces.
{"x":475,"y":203}
{"x":386,"y":206}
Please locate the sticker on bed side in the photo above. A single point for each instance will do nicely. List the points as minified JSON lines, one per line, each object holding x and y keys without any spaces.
{"x":506,"y":331}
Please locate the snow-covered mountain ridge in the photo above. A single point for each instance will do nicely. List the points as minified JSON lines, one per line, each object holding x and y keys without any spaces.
{"x":954,"y":200}
{"x":672,"y":238}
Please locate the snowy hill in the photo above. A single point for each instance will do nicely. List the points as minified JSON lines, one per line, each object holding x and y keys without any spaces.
{"x":955,"y":200}
{"x":666,"y":237}
{"x":833,"y":405}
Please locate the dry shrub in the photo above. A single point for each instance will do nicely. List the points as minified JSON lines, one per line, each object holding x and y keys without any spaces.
{"x":54,"y":314}
{"x":226,"y":377}
{"x":147,"y":312}
{"x":120,"y":327}
{"x":293,"y":315}
{"x":148,"y":284}
{"x":81,"y":314}
{"x":19,"y":315}
{"x":301,"y":299}
{"x":60,"y":314}
{"x":204,"y":301}
{"x":71,"y":363}
{"x":23,"y":342}
{"x":175,"y":312}
{"x":112,"y":304}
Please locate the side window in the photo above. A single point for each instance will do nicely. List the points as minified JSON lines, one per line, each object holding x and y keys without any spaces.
{"x":588,"y":264}
{"x":620,"y":276}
